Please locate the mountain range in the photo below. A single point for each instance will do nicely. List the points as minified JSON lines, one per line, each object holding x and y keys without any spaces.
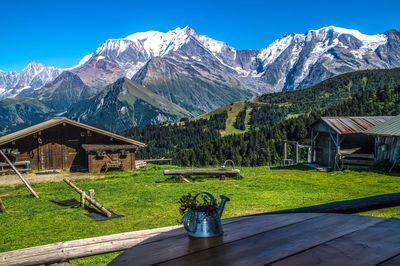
{"x":190,"y":73}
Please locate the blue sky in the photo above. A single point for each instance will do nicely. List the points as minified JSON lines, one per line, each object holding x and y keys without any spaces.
{"x":59,"y":33}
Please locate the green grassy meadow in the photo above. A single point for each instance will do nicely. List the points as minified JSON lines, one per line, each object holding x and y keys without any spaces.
{"x":147,"y":204}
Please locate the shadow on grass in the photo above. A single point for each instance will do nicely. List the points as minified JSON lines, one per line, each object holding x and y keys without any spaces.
{"x":378,"y":169}
{"x":293,"y":167}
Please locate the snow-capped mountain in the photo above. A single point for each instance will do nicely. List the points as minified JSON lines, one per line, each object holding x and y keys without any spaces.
{"x":291,"y":62}
{"x":301,"y":60}
{"x":33,"y":77}
{"x":200,"y":74}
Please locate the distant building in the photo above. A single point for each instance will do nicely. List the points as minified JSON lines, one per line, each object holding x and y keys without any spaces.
{"x":339,"y":141}
{"x":387,"y":140}
{"x":61,"y":143}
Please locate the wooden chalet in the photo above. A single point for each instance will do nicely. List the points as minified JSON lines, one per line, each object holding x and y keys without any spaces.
{"x":61,"y":143}
{"x":339,"y":141}
{"x":387,"y":140}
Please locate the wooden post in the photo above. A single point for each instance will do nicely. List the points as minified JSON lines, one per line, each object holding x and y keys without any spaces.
{"x":284,"y":150}
{"x":297,"y":152}
{"x":93,"y":202}
{"x":19,"y":174}
{"x":2,"y":209}
{"x":311,"y":153}
{"x":83,"y":195}
{"x":91,"y":193}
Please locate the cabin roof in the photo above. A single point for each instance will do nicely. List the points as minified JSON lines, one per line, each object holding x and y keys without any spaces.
{"x":353,"y":124}
{"x":59,"y":120}
{"x":390,"y":128}
{"x":108,"y":147}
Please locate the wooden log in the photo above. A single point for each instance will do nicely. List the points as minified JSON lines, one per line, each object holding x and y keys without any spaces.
{"x":355,"y":155}
{"x":65,"y":251}
{"x":216,"y":172}
{"x":93,"y":202}
{"x":2,"y":208}
{"x":19,"y":174}
{"x":348,"y":206}
{"x":184,"y":179}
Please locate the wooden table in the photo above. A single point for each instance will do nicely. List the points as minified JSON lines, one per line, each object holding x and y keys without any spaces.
{"x":278,"y":239}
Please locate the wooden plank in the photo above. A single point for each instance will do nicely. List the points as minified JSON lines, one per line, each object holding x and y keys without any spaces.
{"x":188,"y":172}
{"x":181,"y":245}
{"x":348,"y":206}
{"x":360,"y":162}
{"x":20,"y":176}
{"x":354,"y":155}
{"x":269,"y":246}
{"x":19,"y":163}
{"x":369,"y":246}
{"x":10,"y":171}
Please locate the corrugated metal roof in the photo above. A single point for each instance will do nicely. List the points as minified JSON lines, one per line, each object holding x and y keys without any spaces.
{"x":354,"y":124}
{"x":56,"y":121}
{"x":388,"y":128}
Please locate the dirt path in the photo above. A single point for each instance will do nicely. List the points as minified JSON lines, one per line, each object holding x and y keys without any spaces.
{"x":12,"y":180}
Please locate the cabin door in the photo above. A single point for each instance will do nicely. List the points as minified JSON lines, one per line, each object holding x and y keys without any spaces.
{"x":52,"y":153}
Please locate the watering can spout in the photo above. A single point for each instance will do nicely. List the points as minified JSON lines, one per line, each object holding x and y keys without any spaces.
{"x":221,"y":206}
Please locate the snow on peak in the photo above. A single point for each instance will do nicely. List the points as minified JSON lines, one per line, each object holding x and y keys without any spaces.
{"x":33,"y":66}
{"x":157,"y":43}
{"x":275,"y":49}
{"x":85,"y":59}
{"x":378,"y":38}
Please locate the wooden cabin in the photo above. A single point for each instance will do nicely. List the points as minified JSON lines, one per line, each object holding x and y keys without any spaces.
{"x":339,"y":142}
{"x":61,"y":143}
{"x":387,"y":140}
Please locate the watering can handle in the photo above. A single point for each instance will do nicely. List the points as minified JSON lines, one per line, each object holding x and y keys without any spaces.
{"x":209,"y":195}
{"x":186,"y":219}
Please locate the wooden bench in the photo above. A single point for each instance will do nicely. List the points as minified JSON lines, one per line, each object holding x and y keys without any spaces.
{"x":222,"y":173}
{"x":5,"y":167}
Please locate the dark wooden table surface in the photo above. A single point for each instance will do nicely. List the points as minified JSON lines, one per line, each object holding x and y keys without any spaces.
{"x":279,"y":239}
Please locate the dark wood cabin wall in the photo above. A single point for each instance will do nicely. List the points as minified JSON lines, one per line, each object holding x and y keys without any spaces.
{"x":322,"y":149}
{"x":58,"y":147}
{"x":392,"y":151}
{"x":28,"y":151}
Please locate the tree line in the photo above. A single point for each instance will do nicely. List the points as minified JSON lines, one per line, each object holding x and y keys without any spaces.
{"x":163,"y":140}
{"x":264,"y":146}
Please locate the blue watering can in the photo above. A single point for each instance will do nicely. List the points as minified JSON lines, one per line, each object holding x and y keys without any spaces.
{"x":202,"y":224}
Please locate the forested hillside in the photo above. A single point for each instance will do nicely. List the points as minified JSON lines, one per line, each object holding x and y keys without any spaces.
{"x":265,"y":145}
{"x":162,"y":140}
{"x":269,"y":110}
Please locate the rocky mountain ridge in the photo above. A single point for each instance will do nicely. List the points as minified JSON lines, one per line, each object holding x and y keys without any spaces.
{"x":193,"y":72}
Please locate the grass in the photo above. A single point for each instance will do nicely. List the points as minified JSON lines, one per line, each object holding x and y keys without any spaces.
{"x":146,"y":204}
